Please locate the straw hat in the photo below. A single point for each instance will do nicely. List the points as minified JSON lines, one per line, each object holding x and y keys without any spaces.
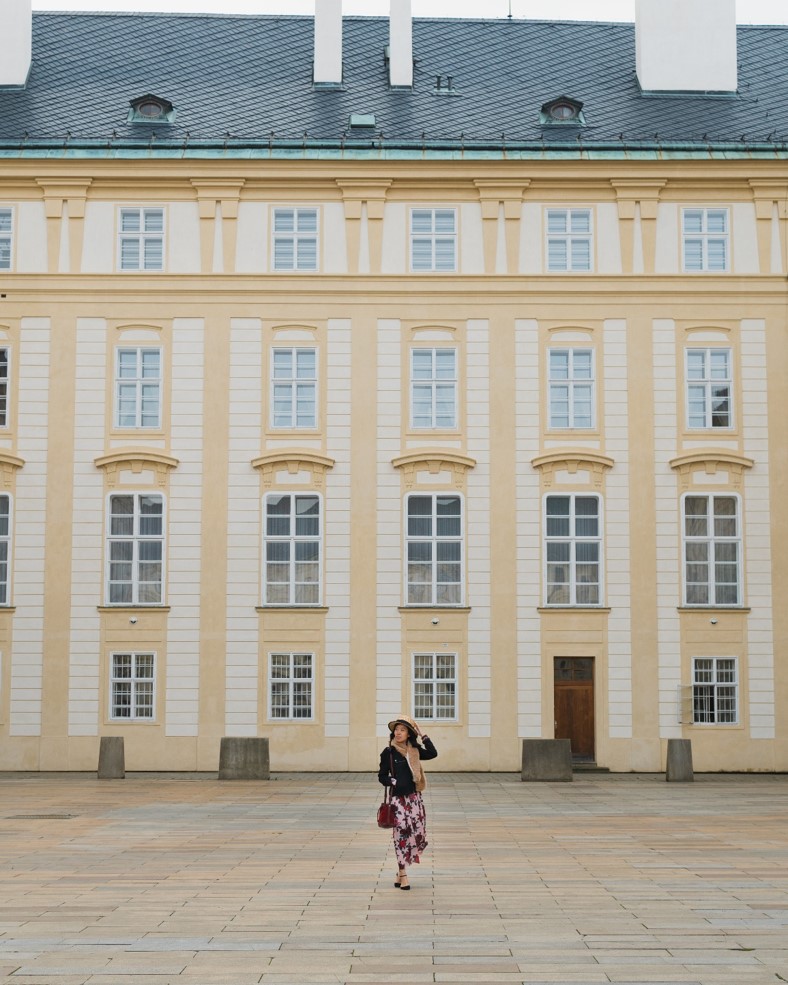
{"x":407,"y":721}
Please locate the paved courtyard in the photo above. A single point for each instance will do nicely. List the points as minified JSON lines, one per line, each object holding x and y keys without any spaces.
{"x":162,"y":879}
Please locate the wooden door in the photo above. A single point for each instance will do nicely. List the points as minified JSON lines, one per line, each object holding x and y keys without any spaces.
{"x":574,"y":704}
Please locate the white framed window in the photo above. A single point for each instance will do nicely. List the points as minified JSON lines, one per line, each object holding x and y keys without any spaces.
{"x":5,"y":359}
{"x":709,"y":388}
{"x":712,"y":550}
{"x":5,"y":549}
{"x":294,"y":387}
{"x":141,"y":239}
{"x":291,"y":686}
{"x":6,"y":237}
{"x":434,"y":546}
{"x":135,"y":549}
{"x":138,"y":387}
{"x":133,"y":686}
{"x":295,"y":239}
{"x":573,"y":547}
{"x":706,"y":240}
{"x":715,"y":691}
{"x":433,"y":388}
{"x":571,"y":383}
{"x":569,"y":239}
{"x":292,"y":549}
{"x":435,"y":686}
{"x":433,"y":240}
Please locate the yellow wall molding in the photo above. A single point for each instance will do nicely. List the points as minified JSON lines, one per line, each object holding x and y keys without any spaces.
{"x":294,"y":460}
{"x":434,"y":461}
{"x":710,"y":460}
{"x":9,"y":464}
{"x":136,"y":460}
{"x":572,"y":461}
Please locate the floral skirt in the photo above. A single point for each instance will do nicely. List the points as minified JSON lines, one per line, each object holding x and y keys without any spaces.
{"x":410,"y":829}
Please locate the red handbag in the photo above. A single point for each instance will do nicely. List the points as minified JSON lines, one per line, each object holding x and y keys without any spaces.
{"x":387,"y":817}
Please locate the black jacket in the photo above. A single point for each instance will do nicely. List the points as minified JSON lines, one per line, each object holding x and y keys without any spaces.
{"x":402,"y":773}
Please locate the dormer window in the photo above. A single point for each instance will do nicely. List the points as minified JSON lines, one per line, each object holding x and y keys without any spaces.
{"x":151,"y":109}
{"x":562,"y":110}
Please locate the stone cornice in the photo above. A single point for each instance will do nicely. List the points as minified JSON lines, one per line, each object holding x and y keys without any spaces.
{"x":294,"y":460}
{"x":136,"y":460}
{"x":572,"y":460}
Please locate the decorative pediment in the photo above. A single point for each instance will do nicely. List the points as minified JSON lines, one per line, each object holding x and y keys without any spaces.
{"x":573,"y":460}
{"x":136,"y":460}
{"x":9,"y":465}
{"x":434,"y":461}
{"x":293,"y":460}
{"x":711,"y":460}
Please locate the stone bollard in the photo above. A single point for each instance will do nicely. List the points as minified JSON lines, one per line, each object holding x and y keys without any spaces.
{"x":547,"y":760}
{"x":679,"y":764}
{"x":244,"y":759}
{"x":112,"y":758}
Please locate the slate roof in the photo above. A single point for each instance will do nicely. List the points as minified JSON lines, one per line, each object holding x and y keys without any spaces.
{"x":247,"y":81}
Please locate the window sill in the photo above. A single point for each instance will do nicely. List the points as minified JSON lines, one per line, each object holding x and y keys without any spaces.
{"x":7,"y":608}
{"x":133,"y":608}
{"x":727,"y":726}
{"x":291,"y":608}
{"x":433,"y":608}
{"x":573,"y":608}
{"x":290,"y":721}
{"x":713,"y":608}
{"x":115,"y":722}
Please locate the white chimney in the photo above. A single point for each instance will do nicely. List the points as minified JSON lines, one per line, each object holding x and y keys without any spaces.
{"x":16,"y":30}
{"x":328,"y":42}
{"x":401,"y":44}
{"x":686,"y":45}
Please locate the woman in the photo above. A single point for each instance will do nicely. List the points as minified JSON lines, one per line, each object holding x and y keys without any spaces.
{"x":400,"y":769}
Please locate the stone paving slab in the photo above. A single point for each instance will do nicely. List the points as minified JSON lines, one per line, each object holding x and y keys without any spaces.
{"x":181,"y":880}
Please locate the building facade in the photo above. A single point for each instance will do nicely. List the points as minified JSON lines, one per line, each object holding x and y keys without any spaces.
{"x":327,"y":393}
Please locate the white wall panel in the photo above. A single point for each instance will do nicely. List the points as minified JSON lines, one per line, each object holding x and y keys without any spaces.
{"x":31,"y":238}
{"x":99,"y":248}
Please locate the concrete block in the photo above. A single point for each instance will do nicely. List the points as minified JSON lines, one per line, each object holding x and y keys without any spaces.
{"x":244,"y":758}
{"x":679,"y":764}
{"x":547,"y":760}
{"x":112,"y":758}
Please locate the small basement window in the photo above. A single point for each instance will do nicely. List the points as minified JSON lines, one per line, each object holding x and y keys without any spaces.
{"x":151,"y":109}
{"x":562,"y":111}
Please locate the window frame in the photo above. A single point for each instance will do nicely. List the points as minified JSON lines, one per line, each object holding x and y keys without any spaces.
{"x":133,"y":680}
{"x":711,"y":561}
{"x":434,"y":540}
{"x":139,"y":383}
{"x":292,"y":539}
{"x":704,"y":237}
{"x":573,"y":539}
{"x":296,"y":237}
{"x":9,"y":236}
{"x":714,"y":685}
{"x":572,"y":384}
{"x":434,"y":681}
{"x":5,"y":387}
{"x":434,"y":383}
{"x":567,"y":238}
{"x":291,"y":681}
{"x":293,"y":382}
{"x":7,"y":542}
{"x":135,"y":539}
{"x":433,"y":237}
{"x":142,"y":237}
{"x":708,"y":383}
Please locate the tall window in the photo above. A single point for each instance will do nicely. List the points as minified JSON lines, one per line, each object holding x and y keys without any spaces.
{"x":294,"y":388}
{"x":433,"y":240}
{"x":3,"y":387}
{"x":290,"y":685}
{"x":135,"y":549}
{"x":572,"y":550}
{"x":133,"y":686}
{"x":706,"y":240}
{"x":295,"y":239}
{"x":5,"y":548}
{"x":571,"y":388}
{"x":433,"y":388}
{"x":715,"y":691}
{"x":138,"y":387}
{"x":6,"y":237}
{"x":142,"y":239}
{"x":709,"y":388}
{"x":569,"y":239}
{"x":712,"y":550}
{"x":292,"y":549}
{"x":434,"y":550}
{"x":435,"y":686}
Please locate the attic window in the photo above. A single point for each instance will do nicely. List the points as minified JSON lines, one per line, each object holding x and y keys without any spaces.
{"x":151,"y":109}
{"x":360,"y":121}
{"x":562,"y":111}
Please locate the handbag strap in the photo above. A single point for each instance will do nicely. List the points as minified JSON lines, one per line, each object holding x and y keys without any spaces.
{"x":387,"y":794}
